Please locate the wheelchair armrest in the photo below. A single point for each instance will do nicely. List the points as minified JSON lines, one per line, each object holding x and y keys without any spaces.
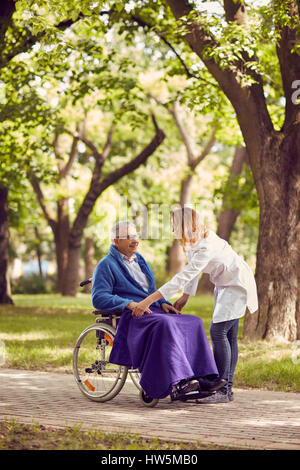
{"x":106,"y":314}
{"x":102,"y":313}
{"x":84,"y":283}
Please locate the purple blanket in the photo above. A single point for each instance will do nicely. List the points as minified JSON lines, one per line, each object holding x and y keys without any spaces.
{"x":165,"y":347}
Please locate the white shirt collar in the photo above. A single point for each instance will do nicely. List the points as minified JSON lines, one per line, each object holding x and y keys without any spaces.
{"x":125,"y":258}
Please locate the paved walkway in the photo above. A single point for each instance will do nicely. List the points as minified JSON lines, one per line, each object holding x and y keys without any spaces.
{"x":255,"y":419}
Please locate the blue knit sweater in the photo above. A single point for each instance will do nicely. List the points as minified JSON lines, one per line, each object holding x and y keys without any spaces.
{"x":113,"y":286}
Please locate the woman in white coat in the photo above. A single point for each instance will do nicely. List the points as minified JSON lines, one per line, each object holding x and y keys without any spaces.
{"x":235,"y":290}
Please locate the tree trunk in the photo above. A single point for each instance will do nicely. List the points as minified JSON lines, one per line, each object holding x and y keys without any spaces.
{"x":177,"y":258}
{"x":4,"y":237}
{"x":61,"y":236}
{"x":228,"y":215}
{"x":70,"y":284}
{"x":186,"y":190}
{"x":38,"y":252}
{"x":89,"y":261}
{"x":277,"y":270}
{"x":298,"y":306}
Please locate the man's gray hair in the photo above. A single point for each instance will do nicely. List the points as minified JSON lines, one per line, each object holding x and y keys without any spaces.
{"x":119,"y":230}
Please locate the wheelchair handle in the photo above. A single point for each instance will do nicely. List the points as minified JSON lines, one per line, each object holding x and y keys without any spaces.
{"x":84,"y":283}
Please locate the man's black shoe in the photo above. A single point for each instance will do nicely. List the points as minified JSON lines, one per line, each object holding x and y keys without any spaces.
{"x":184,"y":387}
{"x":190,"y":386}
{"x":211,"y":385}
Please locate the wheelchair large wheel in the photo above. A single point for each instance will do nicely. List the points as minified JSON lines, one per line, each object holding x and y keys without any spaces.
{"x":96,"y":377}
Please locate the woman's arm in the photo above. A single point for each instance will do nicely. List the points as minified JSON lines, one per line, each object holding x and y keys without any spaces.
{"x":143,"y":306}
{"x":178,"y":282}
{"x":191,"y":270}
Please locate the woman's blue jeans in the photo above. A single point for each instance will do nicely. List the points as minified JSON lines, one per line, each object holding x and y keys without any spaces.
{"x":225,"y":348}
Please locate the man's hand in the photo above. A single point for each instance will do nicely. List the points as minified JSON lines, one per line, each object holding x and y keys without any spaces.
{"x":139,"y":308}
{"x":180,"y":303}
{"x":169,"y":308}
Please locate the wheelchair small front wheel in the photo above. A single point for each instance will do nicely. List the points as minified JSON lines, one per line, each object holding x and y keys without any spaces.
{"x":148,"y":401}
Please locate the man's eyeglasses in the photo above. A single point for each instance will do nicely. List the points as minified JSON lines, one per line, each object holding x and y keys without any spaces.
{"x":129,"y":237}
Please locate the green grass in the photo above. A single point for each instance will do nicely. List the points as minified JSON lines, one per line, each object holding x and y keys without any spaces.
{"x":39,"y":332}
{"x":268,"y":365}
{"x":18,"y":436}
{"x":82,"y":301}
{"x":42,"y":336}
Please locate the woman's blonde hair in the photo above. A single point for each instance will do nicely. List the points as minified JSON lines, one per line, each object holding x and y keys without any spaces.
{"x":187,"y":226}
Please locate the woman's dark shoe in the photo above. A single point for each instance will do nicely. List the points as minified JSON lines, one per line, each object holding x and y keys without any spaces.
{"x":217,"y":397}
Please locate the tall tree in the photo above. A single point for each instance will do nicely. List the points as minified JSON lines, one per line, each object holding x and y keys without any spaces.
{"x":68,"y":237}
{"x":238,"y":45}
{"x":18,"y":35}
{"x":86,"y":70}
{"x":274,"y":155}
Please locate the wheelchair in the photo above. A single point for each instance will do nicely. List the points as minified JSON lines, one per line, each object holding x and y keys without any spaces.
{"x":97,"y":378}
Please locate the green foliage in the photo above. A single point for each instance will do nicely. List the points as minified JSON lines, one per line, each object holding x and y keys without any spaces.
{"x":33,"y":284}
{"x":239,"y":193}
{"x":73,"y":62}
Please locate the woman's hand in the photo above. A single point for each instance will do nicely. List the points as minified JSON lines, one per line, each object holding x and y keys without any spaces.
{"x":140,"y":308}
{"x":169,"y":308}
{"x":180,"y":303}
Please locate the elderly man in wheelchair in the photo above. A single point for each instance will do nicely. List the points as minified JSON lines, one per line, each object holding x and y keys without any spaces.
{"x":165,"y":352}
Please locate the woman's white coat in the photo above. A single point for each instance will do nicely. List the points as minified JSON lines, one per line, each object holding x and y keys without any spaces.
{"x":235,"y":287}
